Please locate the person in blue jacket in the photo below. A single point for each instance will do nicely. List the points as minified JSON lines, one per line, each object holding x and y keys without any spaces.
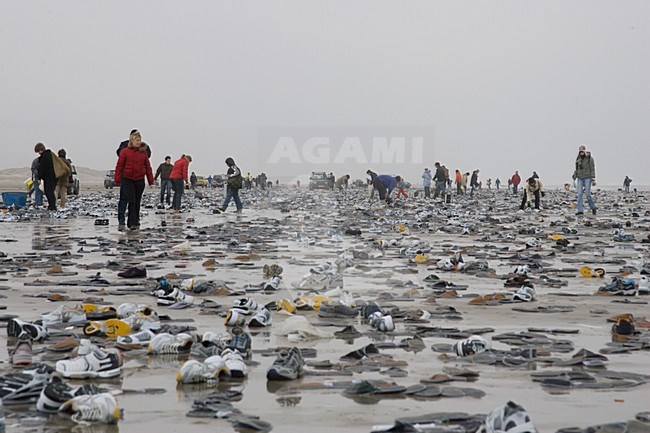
{"x":384,"y":184}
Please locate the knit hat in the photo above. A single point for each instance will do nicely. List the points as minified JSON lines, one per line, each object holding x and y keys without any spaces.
{"x":582,"y":149}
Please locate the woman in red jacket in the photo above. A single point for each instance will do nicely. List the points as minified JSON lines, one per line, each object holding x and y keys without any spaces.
{"x":178,"y":178}
{"x":131,"y":169}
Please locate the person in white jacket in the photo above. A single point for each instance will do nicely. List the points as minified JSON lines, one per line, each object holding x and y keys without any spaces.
{"x":532,"y":188}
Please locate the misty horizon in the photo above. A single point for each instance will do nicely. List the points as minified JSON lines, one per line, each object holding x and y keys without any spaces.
{"x":498,"y":86}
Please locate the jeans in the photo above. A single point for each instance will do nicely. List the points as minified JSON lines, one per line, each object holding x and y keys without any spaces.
{"x":427,"y":192}
{"x":232,"y":193}
{"x":440,"y":187}
{"x":38,"y":195}
{"x":585,"y":184}
{"x":133,"y":190}
{"x":179,"y":187}
{"x":514,"y":189}
{"x":121,"y":204}
{"x":165,"y":188}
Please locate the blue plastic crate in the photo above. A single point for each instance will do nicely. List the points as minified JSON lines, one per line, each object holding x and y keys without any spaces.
{"x":14,"y":198}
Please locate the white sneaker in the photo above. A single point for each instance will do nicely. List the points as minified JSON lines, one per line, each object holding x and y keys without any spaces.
{"x":644,"y":285}
{"x":129,"y":309}
{"x":142,"y":338}
{"x":175,"y":296}
{"x":273,"y":283}
{"x":381,"y":323}
{"x":245,"y":306}
{"x":101,"y":408}
{"x":235,"y":363}
{"x":170,"y":344}
{"x":194,"y":371}
{"x":234,"y":318}
{"x":261,"y":319}
{"x":64,"y":314}
{"x":347,"y":299}
{"x":91,"y":363}
{"x":137,"y":322}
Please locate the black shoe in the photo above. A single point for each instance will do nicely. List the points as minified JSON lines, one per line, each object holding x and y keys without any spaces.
{"x":580,"y":213}
{"x":134,"y":272}
{"x":593,"y":211}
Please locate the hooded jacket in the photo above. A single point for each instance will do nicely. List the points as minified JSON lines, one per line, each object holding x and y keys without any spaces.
{"x":585,"y":167}
{"x":530,"y":189}
{"x":125,"y":144}
{"x":180,"y":169}
{"x":133,"y":164}
{"x":426,"y":178}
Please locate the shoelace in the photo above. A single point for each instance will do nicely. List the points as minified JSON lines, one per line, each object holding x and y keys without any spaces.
{"x":169,"y":348}
{"x":86,"y":413}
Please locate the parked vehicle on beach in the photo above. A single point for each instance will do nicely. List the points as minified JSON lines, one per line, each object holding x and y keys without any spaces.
{"x":73,"y":186}
{"x":318,"y":180}
{"x":218,"y":180}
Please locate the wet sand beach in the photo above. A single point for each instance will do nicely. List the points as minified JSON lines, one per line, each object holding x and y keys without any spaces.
{"x":298,"y":229}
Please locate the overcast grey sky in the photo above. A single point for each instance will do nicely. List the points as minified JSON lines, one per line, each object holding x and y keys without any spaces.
{"x":503,"y":85}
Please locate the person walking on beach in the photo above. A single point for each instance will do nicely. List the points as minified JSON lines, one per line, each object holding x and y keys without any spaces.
{"x":465,"y":181}
{"x":193,"y":180}
{"x":489,"y":183}
{"x":497,"y":183}
{"x":532,"y":188}
{"x":440,"y":180}
{"x":426,"y":182}
{"x":132,"y":167}
{"x":178,"y":178}
{"x":447,"y":179}
{"x":61,"y":190}
{"x":626,"y":183}
{"x":585,"y":176}
{"x":122,"y":203}
{"x":235,"y":183}
{"x":473,"y":183}
{"x":46,"y":174}
{"x":459,"y":182}
{"x":38,"y":194}
{"x":515,"y":181}
{"x":164,"y":170}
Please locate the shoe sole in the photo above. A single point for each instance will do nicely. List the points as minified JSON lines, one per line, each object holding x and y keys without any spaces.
{"x":272,"y":374}
{"x":22,"y":359}
{"x":14,"y":329}
{"x":90,"y":374}
{"x":111,"y":328}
